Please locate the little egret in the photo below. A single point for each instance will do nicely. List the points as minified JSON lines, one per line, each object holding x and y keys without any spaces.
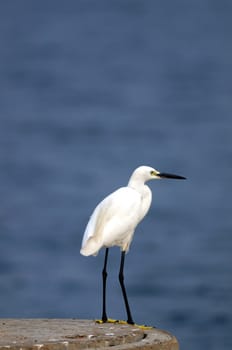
{"x":114,"y":221}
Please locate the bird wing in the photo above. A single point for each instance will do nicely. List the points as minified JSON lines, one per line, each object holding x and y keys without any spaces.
{"x":116,"y":214}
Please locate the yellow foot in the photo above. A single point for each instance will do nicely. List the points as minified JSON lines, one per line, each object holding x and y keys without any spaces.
{"x":144,"y":327}
{"x":110,"y":320}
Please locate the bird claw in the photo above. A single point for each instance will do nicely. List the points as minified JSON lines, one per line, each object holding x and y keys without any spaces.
{"x":144,"y":327}
{"x":110,"y":320}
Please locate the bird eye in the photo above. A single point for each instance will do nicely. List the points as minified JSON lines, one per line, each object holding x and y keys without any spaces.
{"x":152,"y":172}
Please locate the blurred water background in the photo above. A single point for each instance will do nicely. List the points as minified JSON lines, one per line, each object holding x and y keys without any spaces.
{"x":89,"y":90}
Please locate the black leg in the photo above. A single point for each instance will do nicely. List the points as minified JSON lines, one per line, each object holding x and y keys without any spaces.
{"x":104,"y":277}
{"x":121,"y":280}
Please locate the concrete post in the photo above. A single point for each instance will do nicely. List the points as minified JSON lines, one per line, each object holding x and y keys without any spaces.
{"x":73,"y":334}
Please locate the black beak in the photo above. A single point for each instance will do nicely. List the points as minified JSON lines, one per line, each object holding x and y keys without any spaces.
{"x":171,"y":176}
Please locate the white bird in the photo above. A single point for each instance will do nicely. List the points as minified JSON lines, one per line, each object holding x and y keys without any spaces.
{"x":114,"y":221}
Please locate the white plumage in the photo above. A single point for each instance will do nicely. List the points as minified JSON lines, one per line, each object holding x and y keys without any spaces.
{"x":114,"y":221}
{"x":115,"y":218}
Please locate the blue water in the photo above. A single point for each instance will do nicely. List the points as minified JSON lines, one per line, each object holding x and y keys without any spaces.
{"x":89,"y":90}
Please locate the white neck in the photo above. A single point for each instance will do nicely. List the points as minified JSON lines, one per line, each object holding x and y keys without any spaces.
{"x":136,"y":183}
{"x":139,"y":185}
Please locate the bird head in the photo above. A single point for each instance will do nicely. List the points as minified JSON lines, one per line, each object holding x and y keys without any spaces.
{"x":146,"y":173}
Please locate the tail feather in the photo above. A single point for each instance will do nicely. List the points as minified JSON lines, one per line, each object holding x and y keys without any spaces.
{"x":91,"y":247}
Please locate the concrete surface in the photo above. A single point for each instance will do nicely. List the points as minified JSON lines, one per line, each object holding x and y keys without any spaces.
{"x":74,"y":334}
